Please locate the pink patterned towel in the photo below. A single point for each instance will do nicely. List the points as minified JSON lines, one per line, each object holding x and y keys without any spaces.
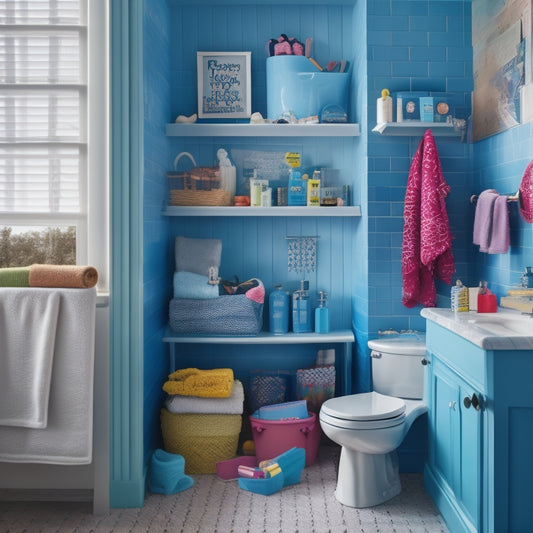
{"x":427,"y":239}
{"x":526,"y":194}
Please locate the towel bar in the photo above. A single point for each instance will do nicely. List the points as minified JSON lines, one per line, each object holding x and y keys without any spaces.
{"x":510,"y":197}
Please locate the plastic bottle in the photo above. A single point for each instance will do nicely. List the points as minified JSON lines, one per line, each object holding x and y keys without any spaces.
{"x":459,"y":297}
{"x":486,"y":300}
{"x":279,"y":311}
{"x":301,"y":312}
{"x":322,"y":313}
{"x":384,"y":107}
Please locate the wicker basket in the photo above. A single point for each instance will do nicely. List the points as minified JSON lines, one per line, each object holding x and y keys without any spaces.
{"x":203,"y":440}
{"x":197,"y":186}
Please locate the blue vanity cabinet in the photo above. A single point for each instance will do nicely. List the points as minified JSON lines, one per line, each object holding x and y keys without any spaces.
{"x":479,"y":469}
{"x":456,"y":443}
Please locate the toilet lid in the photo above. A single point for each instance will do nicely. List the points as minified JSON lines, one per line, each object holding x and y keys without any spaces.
{"x":405,"y":344}
{"x":366,"y":406}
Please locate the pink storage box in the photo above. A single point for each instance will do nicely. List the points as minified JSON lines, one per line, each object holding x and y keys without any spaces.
{"x":274,"y":437}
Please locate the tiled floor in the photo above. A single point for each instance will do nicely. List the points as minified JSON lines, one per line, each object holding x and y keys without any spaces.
{"x":215,"y":506}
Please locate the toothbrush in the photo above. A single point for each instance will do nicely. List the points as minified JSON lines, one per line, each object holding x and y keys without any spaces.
{"x":308,"y":44}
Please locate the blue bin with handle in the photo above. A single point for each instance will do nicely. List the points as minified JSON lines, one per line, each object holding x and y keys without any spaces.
{"x":295,"y":84}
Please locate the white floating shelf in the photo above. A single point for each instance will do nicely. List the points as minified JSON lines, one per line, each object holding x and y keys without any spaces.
{"x":282,"y":211}
{"x":263,"y":130}
{"x":417,"y":128}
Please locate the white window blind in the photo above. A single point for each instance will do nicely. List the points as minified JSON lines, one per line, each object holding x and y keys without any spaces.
{"x":43,"y":113}
{"x":54,"y":122}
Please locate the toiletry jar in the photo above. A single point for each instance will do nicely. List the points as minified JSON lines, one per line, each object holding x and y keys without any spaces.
{"x":295,"y":84}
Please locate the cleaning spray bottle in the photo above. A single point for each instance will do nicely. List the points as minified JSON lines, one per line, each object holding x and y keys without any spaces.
{"x":384,"y":107}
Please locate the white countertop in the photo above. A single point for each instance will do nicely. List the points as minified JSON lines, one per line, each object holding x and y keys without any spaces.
{"x":505,"y":330}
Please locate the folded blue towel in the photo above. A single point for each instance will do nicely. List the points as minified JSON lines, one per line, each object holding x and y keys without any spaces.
{"x":191,"y":285}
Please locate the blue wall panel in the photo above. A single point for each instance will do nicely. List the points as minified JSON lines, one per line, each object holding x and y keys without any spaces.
{"x":413,"y":40}
{"x":156,"y":277}
{"x":499,"y":163}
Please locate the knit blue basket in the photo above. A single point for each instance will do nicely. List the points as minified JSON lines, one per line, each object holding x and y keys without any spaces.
{"x":225,"y":315}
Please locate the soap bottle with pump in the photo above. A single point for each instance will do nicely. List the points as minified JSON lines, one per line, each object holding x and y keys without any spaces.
{"x":322,"y":313}
{"x":279,"y":311}
{"x":301,"y":311}
{"x":486,"y":300}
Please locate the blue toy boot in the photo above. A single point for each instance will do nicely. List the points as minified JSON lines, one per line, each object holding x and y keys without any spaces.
{"x":167,"y":474}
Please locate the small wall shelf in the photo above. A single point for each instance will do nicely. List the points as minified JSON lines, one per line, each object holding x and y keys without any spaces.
{"x":416,"y":129}
{"x":262,"y":130}
{"x":282,"y":211}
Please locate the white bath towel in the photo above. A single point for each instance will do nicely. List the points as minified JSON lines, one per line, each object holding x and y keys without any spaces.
{"x":28,"y":323}
{"x":232,"y":405}
{"x":67,"y":439}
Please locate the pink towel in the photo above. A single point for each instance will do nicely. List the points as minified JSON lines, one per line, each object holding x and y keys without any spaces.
{"x":483,"y":219}
{"x":427,"y":239}
{"x":526,"y":194}
{"x":500,"y":238}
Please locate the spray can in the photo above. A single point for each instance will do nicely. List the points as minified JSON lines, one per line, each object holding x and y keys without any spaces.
{"x":459,"y":296}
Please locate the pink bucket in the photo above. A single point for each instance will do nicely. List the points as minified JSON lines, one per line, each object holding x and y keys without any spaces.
{"x":274,"y":437}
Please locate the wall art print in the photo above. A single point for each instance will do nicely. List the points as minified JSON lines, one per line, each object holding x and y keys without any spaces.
{"x":224,"y":84}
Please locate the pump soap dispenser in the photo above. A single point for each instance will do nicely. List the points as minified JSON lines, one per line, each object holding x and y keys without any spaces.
{"x":322,"y":313}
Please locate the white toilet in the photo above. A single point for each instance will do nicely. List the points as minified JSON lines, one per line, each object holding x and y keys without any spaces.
{"x":370,"y":426}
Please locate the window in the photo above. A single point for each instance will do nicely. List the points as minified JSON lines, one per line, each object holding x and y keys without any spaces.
{"x":53,"y":132}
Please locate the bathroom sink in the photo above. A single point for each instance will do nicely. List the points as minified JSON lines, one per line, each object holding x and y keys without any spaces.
{"x":507,"y":329}
{"x":500,"y":324}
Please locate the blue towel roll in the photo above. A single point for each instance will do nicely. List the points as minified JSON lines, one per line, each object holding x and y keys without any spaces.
{"x":191,"y":285}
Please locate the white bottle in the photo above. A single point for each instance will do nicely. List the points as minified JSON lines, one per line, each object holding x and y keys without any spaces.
{"x":384,"y":107}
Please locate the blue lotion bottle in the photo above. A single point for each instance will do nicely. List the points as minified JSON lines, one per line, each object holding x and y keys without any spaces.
{"x":322,"y":313}
{"x":279,"y":311}
{"x":301,"y":309}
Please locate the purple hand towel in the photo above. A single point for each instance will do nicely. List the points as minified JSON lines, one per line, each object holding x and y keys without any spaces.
{"x":483,"y":219}
{"x":500,"y":239}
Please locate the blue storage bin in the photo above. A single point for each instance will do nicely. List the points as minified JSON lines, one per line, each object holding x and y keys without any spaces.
{"x":295,"y":84}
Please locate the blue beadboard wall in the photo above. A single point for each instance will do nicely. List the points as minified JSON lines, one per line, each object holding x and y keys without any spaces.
{"x":156,"y":249}
{"x":413,"y":46}
{"x":256,"y":247}
{"x":499,"y":163}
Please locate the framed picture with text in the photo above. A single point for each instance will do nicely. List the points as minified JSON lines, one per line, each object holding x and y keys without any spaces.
{"x":224,"y":84}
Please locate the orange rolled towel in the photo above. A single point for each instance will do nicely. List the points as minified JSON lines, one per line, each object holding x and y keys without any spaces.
{"x":63,"y":276}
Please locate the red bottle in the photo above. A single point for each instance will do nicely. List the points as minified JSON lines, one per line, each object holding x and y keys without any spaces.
{"x":486,"y":300}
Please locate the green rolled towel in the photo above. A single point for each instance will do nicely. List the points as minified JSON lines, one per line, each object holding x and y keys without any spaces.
{"x":15,"y":277}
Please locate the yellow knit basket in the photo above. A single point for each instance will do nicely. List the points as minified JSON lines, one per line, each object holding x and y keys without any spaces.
{"x":202,"y":439}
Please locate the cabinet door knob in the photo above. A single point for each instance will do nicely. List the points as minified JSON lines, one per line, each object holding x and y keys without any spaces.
{"x":472,"y":401}
{"x":452,"y":405}
{"x":425,"y":362}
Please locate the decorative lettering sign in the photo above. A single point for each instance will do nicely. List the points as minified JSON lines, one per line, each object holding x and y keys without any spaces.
{"x":224,"y":84}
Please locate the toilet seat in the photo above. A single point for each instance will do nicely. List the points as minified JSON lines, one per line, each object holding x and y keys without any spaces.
{"x":368,"y":410}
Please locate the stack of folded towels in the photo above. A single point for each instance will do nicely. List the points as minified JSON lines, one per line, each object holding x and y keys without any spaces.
{"x":202,"y":417}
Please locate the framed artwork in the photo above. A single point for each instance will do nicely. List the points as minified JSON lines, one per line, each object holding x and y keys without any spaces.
{"x":224,"y":84}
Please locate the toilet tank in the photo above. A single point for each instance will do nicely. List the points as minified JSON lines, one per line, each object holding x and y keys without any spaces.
{"x":397,"y":368}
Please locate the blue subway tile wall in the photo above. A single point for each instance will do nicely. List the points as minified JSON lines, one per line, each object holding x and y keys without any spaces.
{"x":427,"y":46}
{"x":156,"y":275}
{"x":499,"y":163}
